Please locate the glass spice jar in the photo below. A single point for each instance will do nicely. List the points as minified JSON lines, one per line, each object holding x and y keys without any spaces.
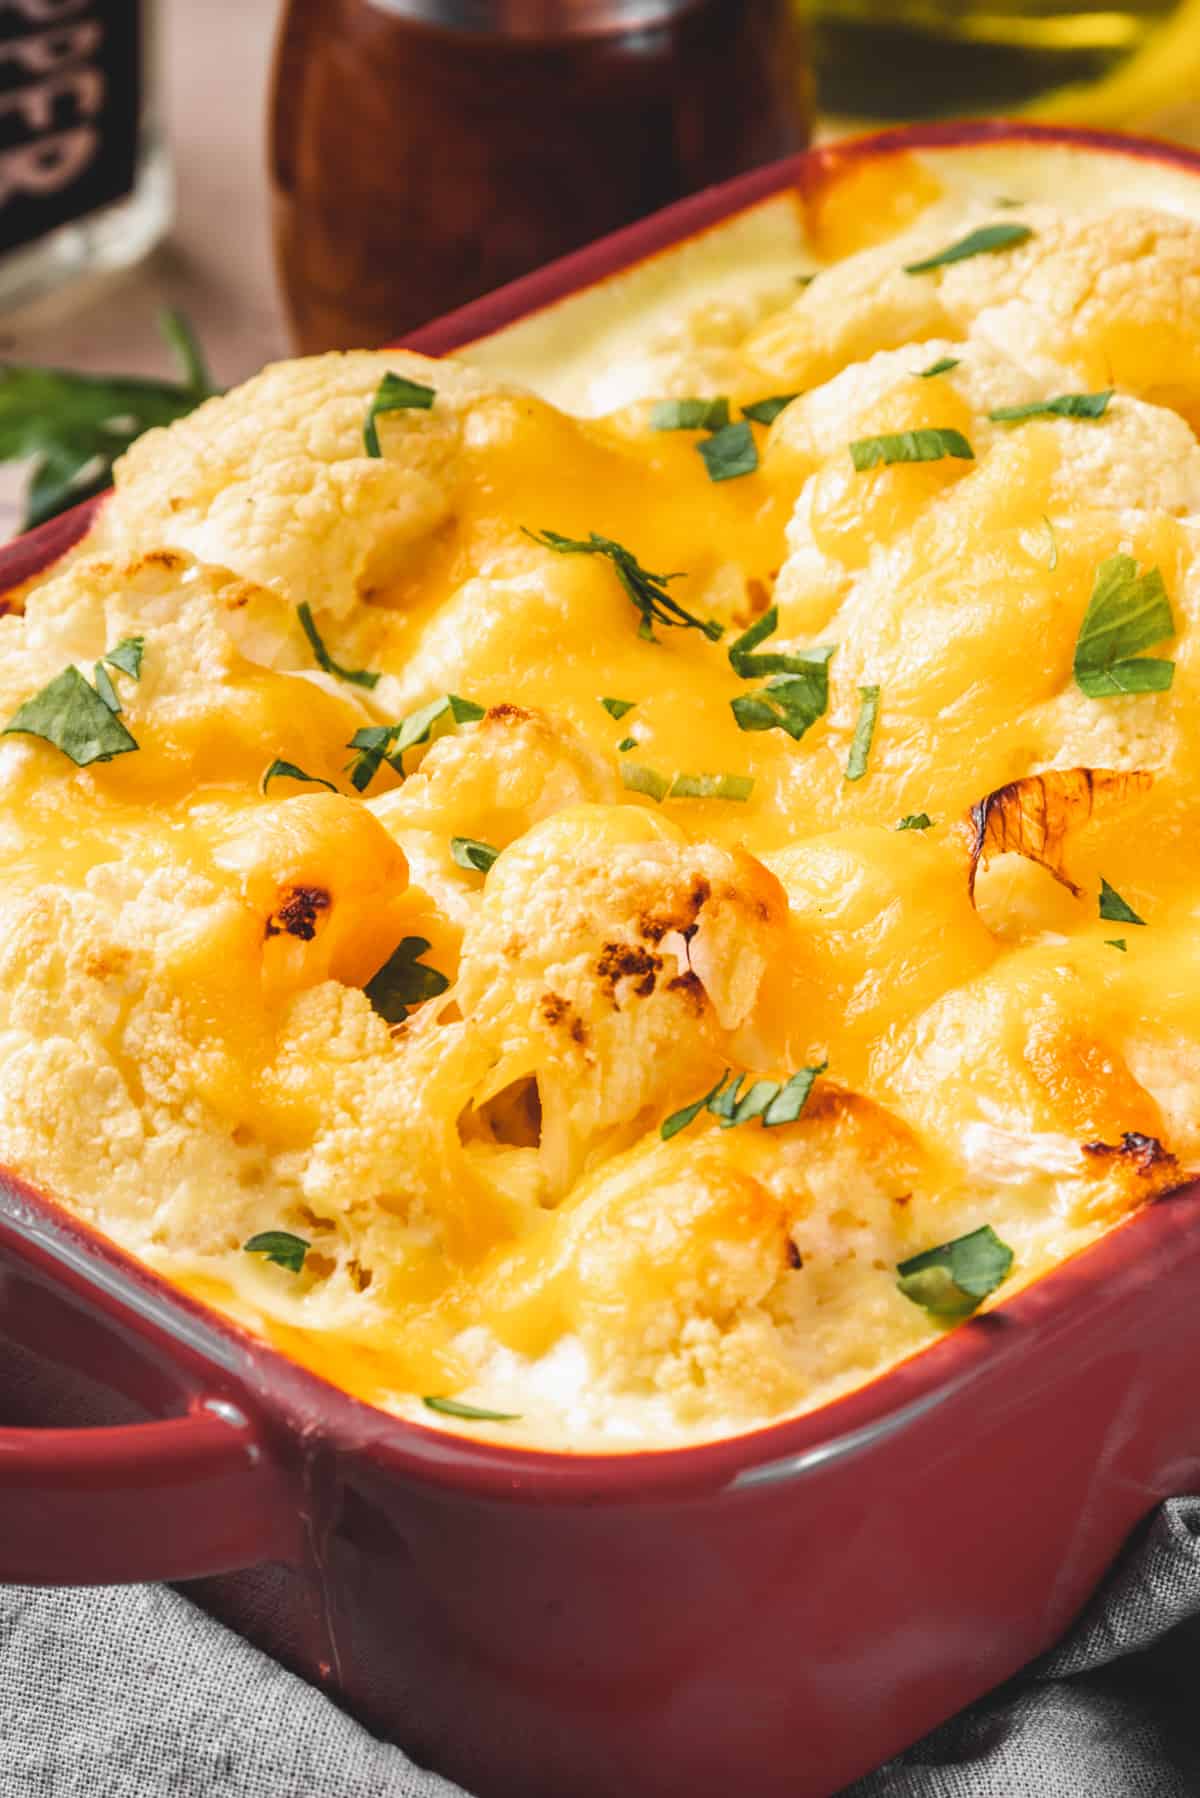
{"x":426,"y":151}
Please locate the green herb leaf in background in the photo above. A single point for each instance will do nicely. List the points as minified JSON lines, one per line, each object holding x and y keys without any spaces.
{"x":774,"y":1101}
{"x":127,"y":657}
{"x":1127,"y":612}
{"x":74,"y":426}
{"x":981,"y":242}
{"x":915,"y":821}
{"x":952,"y":1280}
{"x":942,"y":366}
{"x":71,"y":715}
{"x":404,"y":981}
{"x":395,"y":393}
{"x":712,"y":786}
{"x":279,"y":1246}
{"x":617,"y":708}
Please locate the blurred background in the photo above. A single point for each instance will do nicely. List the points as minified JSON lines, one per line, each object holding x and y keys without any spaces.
{"x":278,"y":174}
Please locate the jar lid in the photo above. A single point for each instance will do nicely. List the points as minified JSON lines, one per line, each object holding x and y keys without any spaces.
{"x":536,"y":18}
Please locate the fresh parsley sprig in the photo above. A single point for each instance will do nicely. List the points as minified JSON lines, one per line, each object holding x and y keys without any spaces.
{"x":74,"y":426}
{"x":648,"y":591}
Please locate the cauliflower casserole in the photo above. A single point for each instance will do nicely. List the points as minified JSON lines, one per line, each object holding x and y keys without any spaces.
{"x":607,"y":923}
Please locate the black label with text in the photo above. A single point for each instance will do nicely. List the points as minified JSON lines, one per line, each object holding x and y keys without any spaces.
{"x":70,"y":99}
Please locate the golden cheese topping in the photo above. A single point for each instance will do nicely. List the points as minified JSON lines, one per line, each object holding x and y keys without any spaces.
{"x":820,"y":714}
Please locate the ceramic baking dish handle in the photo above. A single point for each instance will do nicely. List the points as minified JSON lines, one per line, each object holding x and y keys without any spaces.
{"x":170,"y":1499}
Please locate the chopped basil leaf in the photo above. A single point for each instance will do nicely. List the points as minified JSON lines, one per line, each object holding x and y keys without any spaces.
{"x":690,"y":415}
{"x":378,"y":743}
{"x":280,"y":770}
{"x":730,"y":453}
{"x":127,"y":656}
{"x":470,"y":853}
{"x":864,"y":731}
{"x":1114,"y":908}
{"x":765,"y":412}
{"x":626,"y":744}
{"x":105,"y":688}
{"x":915,"y":821}
{"x":617,"y":708}
{"x":927,"y":445}
{"x":395,"y":393}
{"x":712,"y":786}
{"x":403,"y":981}
{"x":980,"y":242}
{"x":279,"y":1246}
{"x":788,"y":702}
{"x":1116,"y":942}
{"x":1127,"y":612}
{"x":644,"y":780}
{"x":942,"y":366}
{"x":358,"y":677}
{"x":647,"y":591}
{"x":774,"y":1101}
{"x":454,"y":1407}
{"x":748,"y":666}
{"x":70,"y":714}
{"x":951,"y":1280}
{"x":1064,"y":405}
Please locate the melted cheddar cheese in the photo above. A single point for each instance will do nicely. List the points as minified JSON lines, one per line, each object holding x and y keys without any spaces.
{"x":193,"y":1049}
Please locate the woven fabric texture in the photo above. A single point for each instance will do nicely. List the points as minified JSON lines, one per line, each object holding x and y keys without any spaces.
{"x":134,"y":1693}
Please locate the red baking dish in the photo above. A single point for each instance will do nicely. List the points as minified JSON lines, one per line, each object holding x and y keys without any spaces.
{"x":780,"y":1611}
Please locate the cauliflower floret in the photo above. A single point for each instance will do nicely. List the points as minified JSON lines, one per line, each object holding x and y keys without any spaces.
{"x":274,"y":480}
{"x":616,"y":964}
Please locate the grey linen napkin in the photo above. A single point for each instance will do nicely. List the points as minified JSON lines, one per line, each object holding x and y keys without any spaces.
{"x":131,"y":1692}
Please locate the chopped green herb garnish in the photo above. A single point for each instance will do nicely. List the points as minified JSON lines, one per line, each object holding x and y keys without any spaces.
{"x":1127,"y":612}
{"x":864,"y":732}
{"x":454,"y":1407}
{"x":644,"y":780}
{"x":765,"y":412}
{"x":942,"y":366}
{"x":774,"y":1101}
{"x":617,"y":708}
{"x":712,"y":786}
{"x":279,"y":1246}
{"x":626,"y":744}
{"x":1064,"y":405}
{"x":980,"y":242}
{"x":730,"y":453}
{"x":933,"y":444}
{"x":395,"y":393}
{"x":788,"y":702}
{"x":280,"y":770}
{"x":1116,"y":942}
{"x":470,"y":853}
{"x":358,"y":677}
{"x":379,"y":743}
{"x":104,"y":686}
{"x":915,"y":821}
{"x":1114,"y":908}
{"x":1044,"y":544}
{"x":127,"y":658}
{"x":71,"y":715}
{"x":690,"y":415}
{"x":952,"y":1280}
{"x":647,"y":591}
{"x":403,"y":981}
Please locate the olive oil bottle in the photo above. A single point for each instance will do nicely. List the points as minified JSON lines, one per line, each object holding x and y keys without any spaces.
{"x":1120,"y":62}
